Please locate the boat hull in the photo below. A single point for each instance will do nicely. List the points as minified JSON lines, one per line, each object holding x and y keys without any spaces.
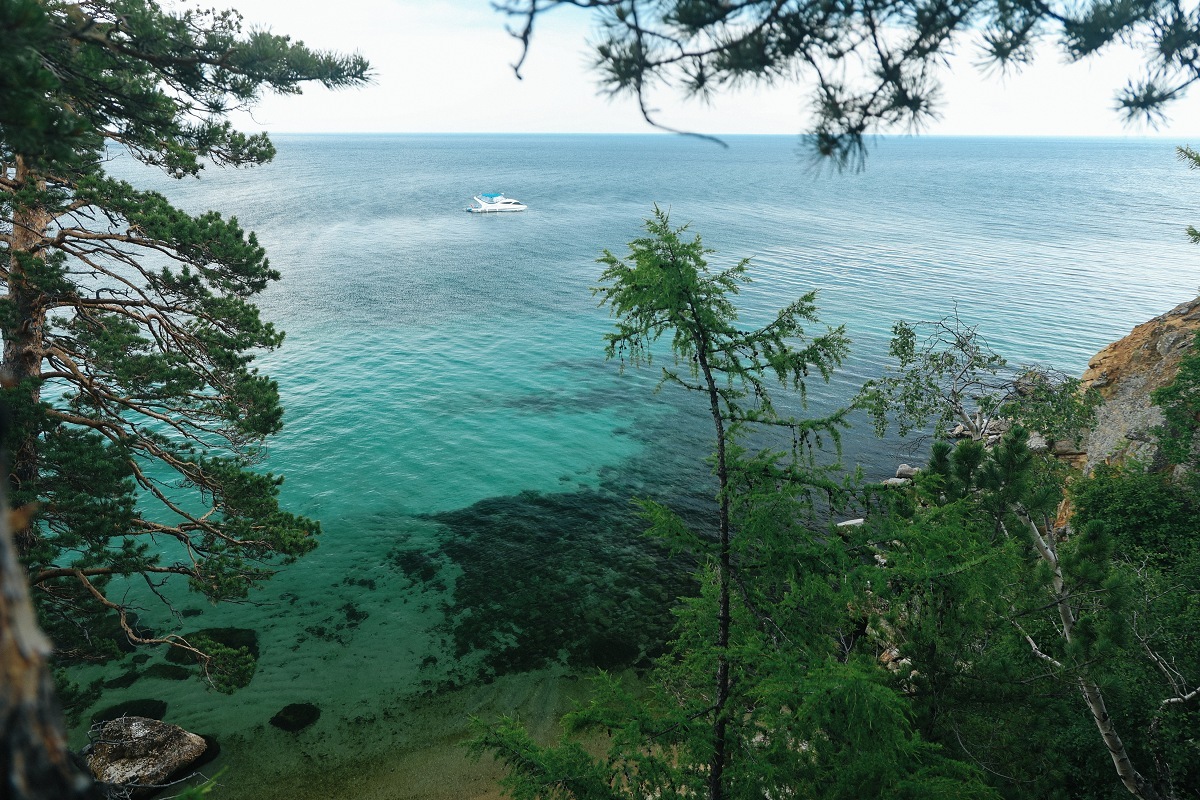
{"x":495,"y":204}
{"x":503,"y":210}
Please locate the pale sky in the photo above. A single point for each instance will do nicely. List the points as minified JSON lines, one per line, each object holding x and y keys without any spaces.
{"x":444,"y":66}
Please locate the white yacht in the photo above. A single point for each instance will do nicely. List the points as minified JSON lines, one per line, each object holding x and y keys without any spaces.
{"x":487,"y":203}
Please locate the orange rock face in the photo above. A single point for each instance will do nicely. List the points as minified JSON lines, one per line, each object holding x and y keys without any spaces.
{"x":1125,"y":373}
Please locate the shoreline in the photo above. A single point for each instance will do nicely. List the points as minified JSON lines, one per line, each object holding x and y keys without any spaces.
{"x":415,"y":752}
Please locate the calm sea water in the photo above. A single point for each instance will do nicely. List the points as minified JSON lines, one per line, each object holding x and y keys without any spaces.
{"x":453,"y":424}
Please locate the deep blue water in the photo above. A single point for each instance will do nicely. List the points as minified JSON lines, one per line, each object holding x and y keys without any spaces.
{"x":444,"y":378}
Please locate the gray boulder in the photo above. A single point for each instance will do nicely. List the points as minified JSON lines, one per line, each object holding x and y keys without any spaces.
{"x":137,"y":751}
{"x":907,"y":471}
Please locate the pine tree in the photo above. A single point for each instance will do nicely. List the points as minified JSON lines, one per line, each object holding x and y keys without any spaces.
{"x":1056,"y":655}
{"x":129,"y":326}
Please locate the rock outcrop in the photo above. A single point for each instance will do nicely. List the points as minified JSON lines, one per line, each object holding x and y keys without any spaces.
{"x":1125,"y":373}
{"x":138,"y":751}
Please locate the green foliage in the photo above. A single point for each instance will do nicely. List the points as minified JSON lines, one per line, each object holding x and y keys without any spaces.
{"x":27,"y":120}
{"x":226,"y":668}
{"x":665,"y":286}
{"x":130,"y":330}
{"x":1152,"y":516}
{"x":566,"y":772}
{"x":228,"y":657}
{"x":1152,"y":547}
{"x":946,"y":374}
{"x":1001,"y":615}
{"x":771,"y":681}
{"x":1180,"y":404}
{"x":862,"y":81}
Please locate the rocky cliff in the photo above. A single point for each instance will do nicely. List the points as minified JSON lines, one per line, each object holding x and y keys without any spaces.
{"x":1125,"y":373}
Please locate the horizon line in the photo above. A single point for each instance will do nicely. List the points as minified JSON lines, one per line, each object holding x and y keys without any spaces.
{"x":704,"y":134}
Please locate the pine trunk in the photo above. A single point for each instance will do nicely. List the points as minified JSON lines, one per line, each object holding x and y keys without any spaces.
{"x":35,"y":763}
{"x":24,"y":337}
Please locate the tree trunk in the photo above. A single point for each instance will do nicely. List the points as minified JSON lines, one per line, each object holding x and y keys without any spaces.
{"x":35,"y":763}
{"x":716,"y":771}
{"x":24,"y":338}
{"x":1131,"y":779}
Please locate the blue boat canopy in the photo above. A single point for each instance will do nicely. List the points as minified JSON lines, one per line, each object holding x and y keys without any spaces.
{"x":496,"y":194}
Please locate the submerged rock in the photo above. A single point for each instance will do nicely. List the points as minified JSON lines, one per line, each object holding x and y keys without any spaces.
{"x":169,"y":672}
{"x":296,"y":717}
{"x":233,"y":638}
{"x":141,"y":752}
{"x":123,"y":681}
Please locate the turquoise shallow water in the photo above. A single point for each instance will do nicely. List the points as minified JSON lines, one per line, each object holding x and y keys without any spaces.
{"x":452,"y":423}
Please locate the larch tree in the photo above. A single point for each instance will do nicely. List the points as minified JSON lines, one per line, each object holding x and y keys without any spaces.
{"x":872,"y":65}
{"x":771,"y":686}
{"x":665,"y":288}
{"x":137,"y":415}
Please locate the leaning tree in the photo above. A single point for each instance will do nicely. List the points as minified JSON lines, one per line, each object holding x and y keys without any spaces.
{"x":136,"y":412}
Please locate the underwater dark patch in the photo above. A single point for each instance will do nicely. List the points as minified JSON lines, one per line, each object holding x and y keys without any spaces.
{"x":122,"y":681}
{"x":565,"y":577}
{"x":296,"y":717}
{"x":417,"y":565}
{"x":167,"y":672}
{"x":233,"y":638}
{"x":152,"y":709}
